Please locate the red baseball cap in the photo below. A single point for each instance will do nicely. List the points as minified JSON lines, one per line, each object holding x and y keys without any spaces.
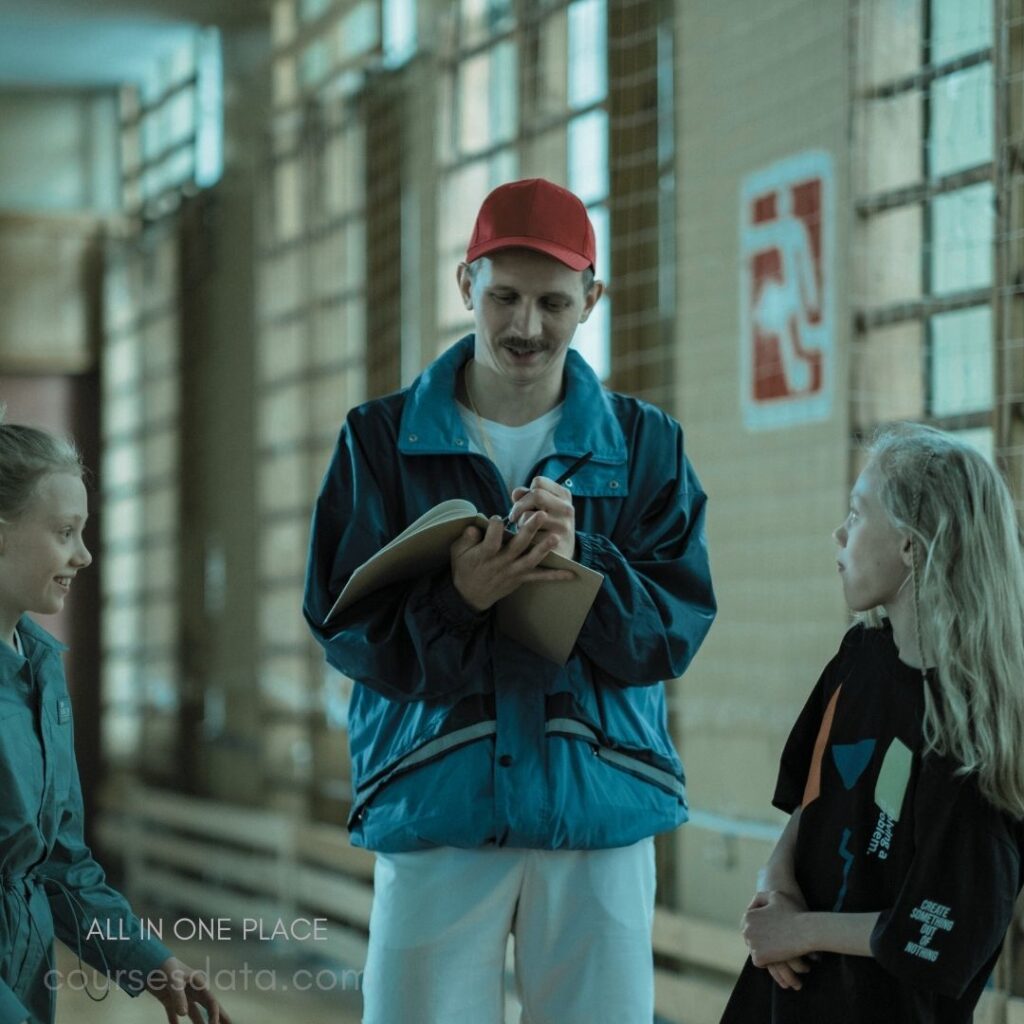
{"x":534,"y":214}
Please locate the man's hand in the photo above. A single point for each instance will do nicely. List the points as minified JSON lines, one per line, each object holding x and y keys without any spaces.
{"x":544,"y":495}
{"x":487,"y":568}
{"x":182,"y":991}
{"x":771,"y":928}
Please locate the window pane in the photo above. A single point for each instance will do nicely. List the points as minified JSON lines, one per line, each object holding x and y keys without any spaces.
{"x":358,"y":30}
{"x":210,"y":107}
{"x":446,"y":141}
{"x":488,"y":108}
{"x":288,"y":199}
{"x":122,"y":520}
{"x":122,"y":365}
{"x":399,"y":30}
{"x":961,"y":363}
{"x":504,"y":93}
{"x":282,"y":482}
{"x":962,"y":120}
{"x":178,"y":167}
{"x":483,"y":18}
{"x":310,"y":9}
{"x":503,"y":166}
{"x":160,"y":510}
{"x":283,"y":351}
{"x":588,"y":63}
{"x":961,"y":255}
{"x":283,"y":416}
{"x":473,"y":92}
{"x":182,"y":63}
{"x":122,"y":733}
{"x":315,"y":62}
{"x":122,"y":574}
{"x":283,"y":548}
{"x":282,"y":26}
{"x":960,"y":26}
{"x":887,"y":39}
{"x":593,"y":338}
{"x":588,"y":156}
{"x":180,"y":111}
{"x":286,"y":87}
{"x":343,"y":171}
{"x":122,"y":466}
{"x":666,"y":96}
{"x":152,"y":137}
{"x":473,"y":22}
{"x":550,"y":78}
{"x":885,"y":153}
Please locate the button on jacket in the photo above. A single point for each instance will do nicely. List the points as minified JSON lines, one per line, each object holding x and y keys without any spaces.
{"x":459,"y":735}
{"x":49,"y":883}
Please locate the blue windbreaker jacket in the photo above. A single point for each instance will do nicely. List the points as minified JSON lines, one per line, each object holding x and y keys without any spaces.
{"x":50,"y":885}
{"x":459,"y":735}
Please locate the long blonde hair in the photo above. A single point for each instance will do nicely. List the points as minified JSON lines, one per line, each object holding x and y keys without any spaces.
{"x":968,"y":577}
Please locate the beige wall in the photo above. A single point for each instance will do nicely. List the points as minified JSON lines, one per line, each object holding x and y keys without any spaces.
{"x":58,"y":174}
{"x":755,"y":84}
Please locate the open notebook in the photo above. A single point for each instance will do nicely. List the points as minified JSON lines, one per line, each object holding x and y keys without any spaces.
{"x":545,"y":617}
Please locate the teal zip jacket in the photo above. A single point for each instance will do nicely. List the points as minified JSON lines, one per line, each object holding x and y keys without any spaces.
{"x":49,"y":883}
{"x":459,"y":735}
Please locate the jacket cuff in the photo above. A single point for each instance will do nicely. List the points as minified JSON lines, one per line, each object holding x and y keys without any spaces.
{"x":144,"y":957}
{"x":586,"y":550}
{"x":450,"y":606}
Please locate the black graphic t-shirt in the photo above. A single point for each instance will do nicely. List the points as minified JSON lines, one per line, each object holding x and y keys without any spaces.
{"x":884,"y":828}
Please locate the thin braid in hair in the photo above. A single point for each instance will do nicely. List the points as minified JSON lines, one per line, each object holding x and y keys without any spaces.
{"x":915,"y":565}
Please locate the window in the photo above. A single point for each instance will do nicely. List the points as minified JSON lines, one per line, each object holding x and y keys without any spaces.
{"x":140,"y":677}
{"x":526,"y":97}
{"x":172,"y":127}
{"x":312,"y":363}
{"x":926,"y":215}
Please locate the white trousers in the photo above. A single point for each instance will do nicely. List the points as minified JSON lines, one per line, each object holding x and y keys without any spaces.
{"x":581,"y":921}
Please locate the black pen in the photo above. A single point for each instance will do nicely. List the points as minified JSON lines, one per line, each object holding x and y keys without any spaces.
{"x":576,"y":466}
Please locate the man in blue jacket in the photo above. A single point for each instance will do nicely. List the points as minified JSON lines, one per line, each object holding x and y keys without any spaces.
{"x":504,"y":793}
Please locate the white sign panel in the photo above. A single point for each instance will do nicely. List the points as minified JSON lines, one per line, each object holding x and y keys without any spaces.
{"x":787,"y":268}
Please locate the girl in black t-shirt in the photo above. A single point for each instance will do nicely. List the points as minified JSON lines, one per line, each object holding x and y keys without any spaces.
{"x":888,"y":895}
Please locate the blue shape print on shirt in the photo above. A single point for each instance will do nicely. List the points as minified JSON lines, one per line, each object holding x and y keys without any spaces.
{"x":847,"y":859}
{"x":851,"y":759}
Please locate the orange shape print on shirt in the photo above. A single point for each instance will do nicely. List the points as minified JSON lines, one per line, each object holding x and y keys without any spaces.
{"x":813,"y":787}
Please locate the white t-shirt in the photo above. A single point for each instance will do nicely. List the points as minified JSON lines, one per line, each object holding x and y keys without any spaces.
{"x":516,"y":449}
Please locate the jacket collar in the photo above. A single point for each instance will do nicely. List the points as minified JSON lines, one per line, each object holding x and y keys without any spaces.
{"x":431,"y":423}
{"x":35,"y":642}
{"x":33,"y":636}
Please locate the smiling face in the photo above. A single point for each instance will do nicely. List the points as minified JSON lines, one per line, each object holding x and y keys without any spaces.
{"x":874,"y":556}
{"x":42,"y":550}
{"x":527,"y":307}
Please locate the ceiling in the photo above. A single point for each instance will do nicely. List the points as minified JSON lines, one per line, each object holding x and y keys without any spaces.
{"x":95,"y":44}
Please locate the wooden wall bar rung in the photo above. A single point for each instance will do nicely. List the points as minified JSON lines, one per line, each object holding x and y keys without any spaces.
{"x":294,"y":868}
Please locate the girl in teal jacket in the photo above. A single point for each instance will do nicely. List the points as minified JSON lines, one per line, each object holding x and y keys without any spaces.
{"x":50,"y":885}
